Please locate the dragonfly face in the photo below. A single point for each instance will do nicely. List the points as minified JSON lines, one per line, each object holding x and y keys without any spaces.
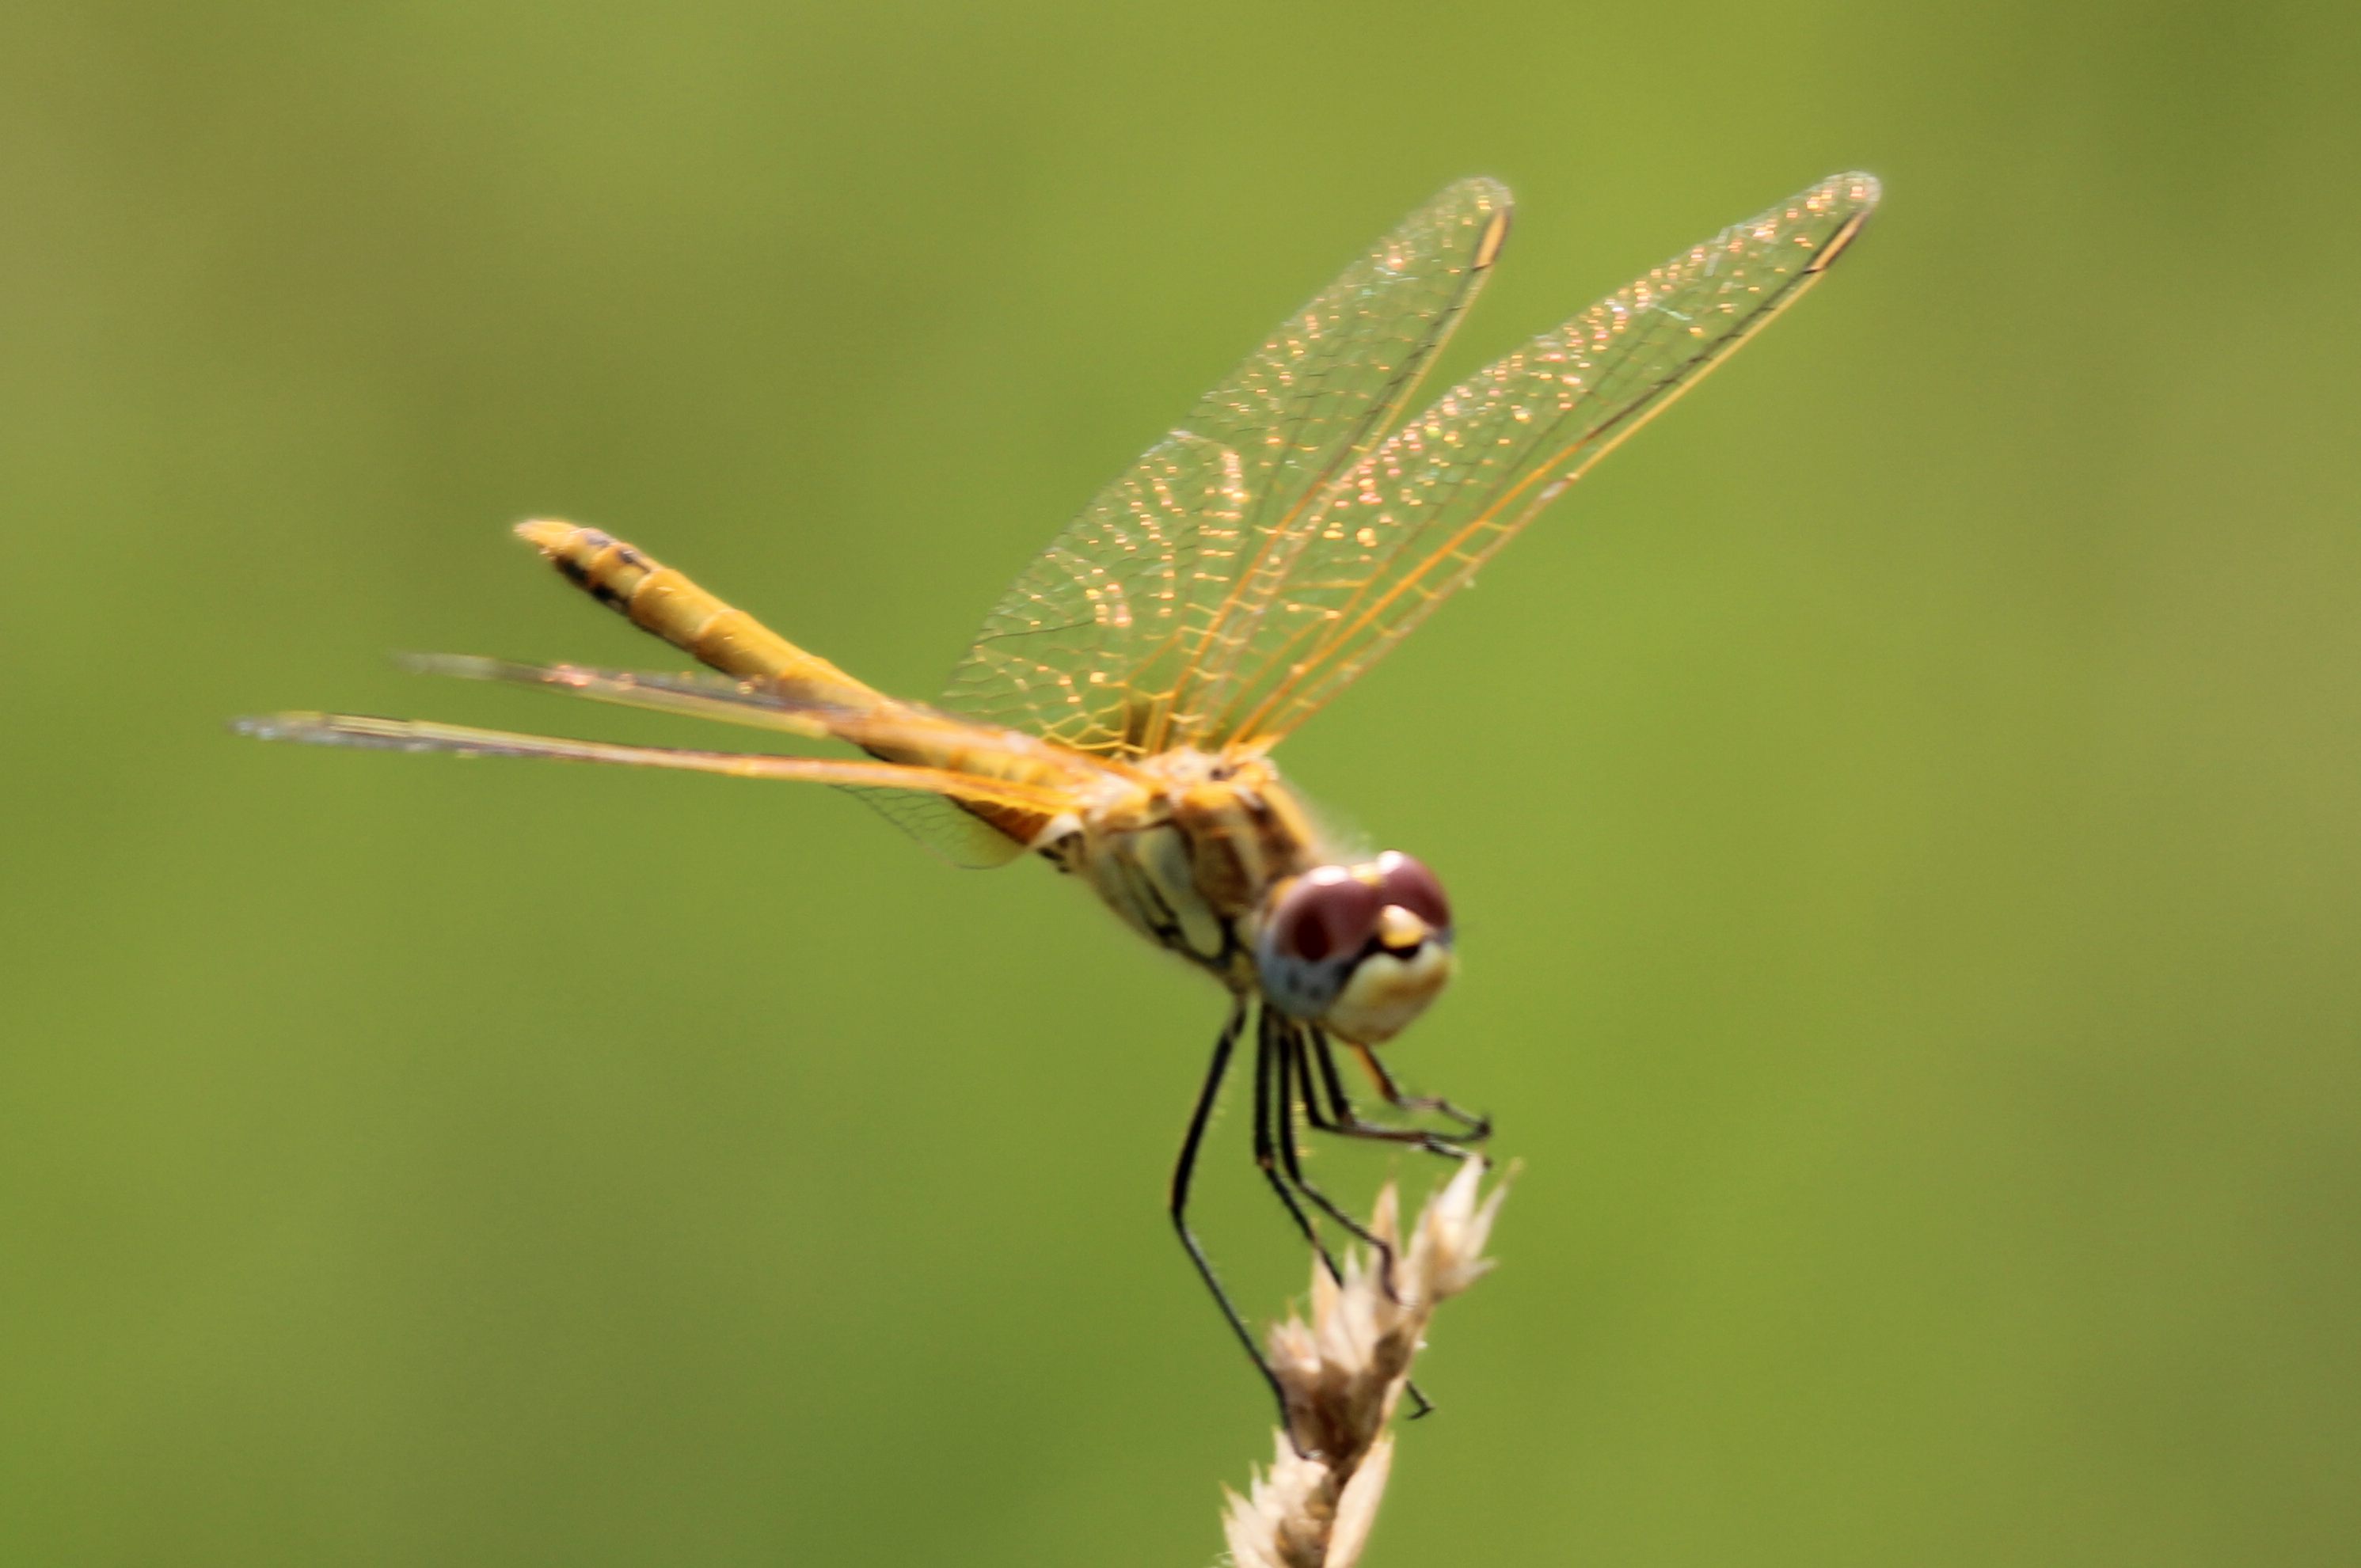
{"x":1357,"y":950}
{"x":1117,"y":712}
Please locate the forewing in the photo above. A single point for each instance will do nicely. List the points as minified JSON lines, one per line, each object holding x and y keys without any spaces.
{"x":1413,"y":522}
{"x":894,"y":731}
{"x":945,"y":807}
{"x":952,"y":830}
{"x":370,"y":733}
{"x":1097,"y":642}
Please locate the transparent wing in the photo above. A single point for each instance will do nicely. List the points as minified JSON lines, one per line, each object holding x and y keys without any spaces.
{"x":952,"y":830}
{"x":1413,"y":522}
{"x":895,"y":731}
{"x":418,"y":735}
{"x":973,"y":794}
{"x":1094,"y":644}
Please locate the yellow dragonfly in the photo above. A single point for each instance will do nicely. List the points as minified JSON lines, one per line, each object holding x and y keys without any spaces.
{"x":1117,"y":712}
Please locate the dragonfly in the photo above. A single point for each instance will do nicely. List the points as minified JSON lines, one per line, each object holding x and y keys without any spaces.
{"x":1117,"y":712}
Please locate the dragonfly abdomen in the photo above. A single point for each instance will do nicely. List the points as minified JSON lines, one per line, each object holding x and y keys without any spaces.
{"x":656,"y":598}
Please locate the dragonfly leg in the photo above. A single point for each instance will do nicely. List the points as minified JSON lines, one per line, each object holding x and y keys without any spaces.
{"x":1473,"y":1129}
{"x":1184,"y":1170}
{"x":1274,"y":1141}
{"x":1294,"y":1092}
{"x":1339,"y":1117}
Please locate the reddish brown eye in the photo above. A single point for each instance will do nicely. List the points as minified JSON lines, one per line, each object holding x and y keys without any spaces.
{"x":1409,"y":885}
{"x":1330,"y":910}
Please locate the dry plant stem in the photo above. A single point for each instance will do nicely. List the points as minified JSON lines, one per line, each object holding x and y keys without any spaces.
{"x":1343,"y":1375}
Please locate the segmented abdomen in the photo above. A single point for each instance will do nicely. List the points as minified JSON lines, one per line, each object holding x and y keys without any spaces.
{"x":658,"y":599}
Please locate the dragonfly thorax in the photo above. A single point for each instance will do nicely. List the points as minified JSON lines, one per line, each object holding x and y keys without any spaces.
{"x":1188,"y":856}
{"x":1218,"y":861}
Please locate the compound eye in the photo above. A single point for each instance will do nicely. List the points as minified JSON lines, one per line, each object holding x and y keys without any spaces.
{"x":1407,"y":884}
{"x":1328,"y":912}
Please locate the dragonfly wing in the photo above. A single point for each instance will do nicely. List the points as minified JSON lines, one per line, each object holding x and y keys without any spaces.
{"x":754,"y":703}
{"x":950,"y":812}
{"x":950,"y":829}
{"x":953,"y":832}
{"x":891,"y":730}
{"x":1083,"y":641}
{"x":1097,"y":643}
{"x":1412,"y":523}
{"x":420,"y":735}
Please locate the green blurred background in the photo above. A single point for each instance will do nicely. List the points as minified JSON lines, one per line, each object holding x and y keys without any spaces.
{"x":1902,"y":808}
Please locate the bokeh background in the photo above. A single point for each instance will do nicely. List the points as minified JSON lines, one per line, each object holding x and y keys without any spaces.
{"x":1902,"y":807}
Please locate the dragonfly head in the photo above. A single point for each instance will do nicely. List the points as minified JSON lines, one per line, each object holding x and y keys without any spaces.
{"x":1360,"y":951}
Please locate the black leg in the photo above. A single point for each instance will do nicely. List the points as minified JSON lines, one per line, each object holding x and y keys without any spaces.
{"x":1340,"y":1118}
{"x":1273,"y":1142}
{"x":1186,"y":1168}
{"x":1473,"y":1129}
{"x":1294,"y":1074}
